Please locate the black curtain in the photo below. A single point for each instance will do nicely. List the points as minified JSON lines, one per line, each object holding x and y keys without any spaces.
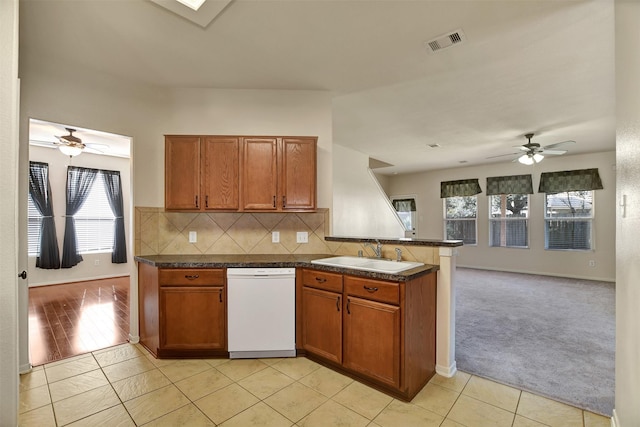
{"x":79,"y":182}
{"x":113,"y":188}
{"x":40,"y":192}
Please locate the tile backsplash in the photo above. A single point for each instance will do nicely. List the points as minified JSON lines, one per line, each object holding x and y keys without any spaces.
{"x":158,"y":232}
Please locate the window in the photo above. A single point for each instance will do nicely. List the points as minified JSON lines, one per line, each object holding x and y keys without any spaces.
{"x":95,"y":220}
{"x":568,"y":220}
{"x":406,"y":211}
{"x":34,"y":219}
{"x":460,"y":215}
{"x":508,"y":220}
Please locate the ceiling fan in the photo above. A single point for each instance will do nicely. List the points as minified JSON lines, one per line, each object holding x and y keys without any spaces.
{"x":532,"y":152}
{"x":69,"y":144}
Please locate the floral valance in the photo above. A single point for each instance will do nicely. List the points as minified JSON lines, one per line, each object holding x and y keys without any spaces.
{"x":575,"y":180}
{"x":404,"y":205}
{"x":462,"y":187}
{"x":514,"y":184}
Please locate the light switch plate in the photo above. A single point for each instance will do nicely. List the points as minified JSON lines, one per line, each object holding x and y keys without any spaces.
{"x":193,"y":237}
{"x":275,"y":237}
{"x":302,"y":237}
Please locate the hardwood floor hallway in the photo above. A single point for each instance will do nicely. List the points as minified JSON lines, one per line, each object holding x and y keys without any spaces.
{"x":75,"y":318}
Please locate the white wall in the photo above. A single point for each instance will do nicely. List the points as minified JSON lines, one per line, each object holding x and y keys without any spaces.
{"x":9,"y":97}
{"x":627,"y":410}
{"x":360,"y":206}
{"x":252,"y":112}
{"x":85,"y":270}
{"x":535,"y":259}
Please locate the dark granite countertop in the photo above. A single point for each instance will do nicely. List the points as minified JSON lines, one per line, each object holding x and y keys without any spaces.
{"x":267,"y":260}
{"x":401,"y":241}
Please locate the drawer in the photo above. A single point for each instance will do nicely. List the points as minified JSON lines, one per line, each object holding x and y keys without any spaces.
{"x":372,"y":289}
{"x":322,"y":280}
{"x":191,"y":277}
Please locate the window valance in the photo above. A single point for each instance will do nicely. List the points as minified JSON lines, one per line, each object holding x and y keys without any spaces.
{"x":575,"y":180}
{"x":404,"y":205}
{"x":463,"y":187}
{"x":514,"y":184}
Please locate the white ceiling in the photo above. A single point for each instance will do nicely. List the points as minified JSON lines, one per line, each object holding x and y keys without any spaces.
{"x":538,"y":66}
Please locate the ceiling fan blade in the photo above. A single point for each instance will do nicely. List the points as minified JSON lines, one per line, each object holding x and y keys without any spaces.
{"x":553,"y":152}
{"x":93,"y":150}
{"x":557,"y":144}
{"x":502,"y":155}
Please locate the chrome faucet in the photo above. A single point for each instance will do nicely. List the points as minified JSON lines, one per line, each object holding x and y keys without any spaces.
{"x":377,"y":250}
{"x":398,"y":254}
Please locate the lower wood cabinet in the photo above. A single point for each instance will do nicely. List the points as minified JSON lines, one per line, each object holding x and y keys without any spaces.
{"x":182,"y":311}
{"x":380,"y":332}
{"x":372,"y":340}
{"x":322,"y":329}
{"x":192,"y":318}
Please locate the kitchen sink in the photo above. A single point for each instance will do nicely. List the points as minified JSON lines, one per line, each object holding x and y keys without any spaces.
{"x":368,"y":264}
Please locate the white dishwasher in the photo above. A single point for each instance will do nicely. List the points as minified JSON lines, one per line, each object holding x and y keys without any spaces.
{"x":261,"y":312}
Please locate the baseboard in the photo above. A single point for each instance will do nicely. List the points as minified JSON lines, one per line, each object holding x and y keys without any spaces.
{"x":78,"y":279}
{"x":615,"y":422}
{"x":447,"y":371}
{"x":539,"y":273}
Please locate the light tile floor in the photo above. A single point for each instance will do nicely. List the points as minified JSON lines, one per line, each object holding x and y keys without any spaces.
{"x":126,"y":386}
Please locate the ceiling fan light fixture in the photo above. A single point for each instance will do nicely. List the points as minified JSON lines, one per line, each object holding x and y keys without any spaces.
{"x":538,"y":157}
{"x":526,"y":160}
{"x":70,"y":150}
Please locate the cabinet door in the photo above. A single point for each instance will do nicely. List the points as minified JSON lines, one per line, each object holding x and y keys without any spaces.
{"x":220,"y":168}
{"x":298,"y":175}
{"x":192,"y":318}
{"x":372,"y":339}
{"x":322,"y":323}
{"x":259,"y":174}
{"x":182,"y":173}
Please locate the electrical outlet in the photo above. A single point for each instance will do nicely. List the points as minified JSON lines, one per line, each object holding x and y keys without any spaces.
{"x":96,"y":262}
{"x":193,"y":237}
{"x":592,"y":263}
{"x":302,"y":237}
{"x":275,"y":237}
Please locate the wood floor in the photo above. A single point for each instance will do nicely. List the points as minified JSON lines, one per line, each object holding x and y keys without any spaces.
{"x":75,"y":318}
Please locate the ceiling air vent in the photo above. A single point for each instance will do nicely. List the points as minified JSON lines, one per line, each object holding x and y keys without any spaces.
{"x":447,"y":40}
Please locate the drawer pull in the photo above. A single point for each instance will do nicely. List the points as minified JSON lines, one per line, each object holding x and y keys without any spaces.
{"x":220,"y":296}
{"x":197,"y":206}
{"x":338,"y":304}
{"x":372,"y":289}
{"x":191,"y":276}
{"x":320,"y":279}
{"x":348,"y":303}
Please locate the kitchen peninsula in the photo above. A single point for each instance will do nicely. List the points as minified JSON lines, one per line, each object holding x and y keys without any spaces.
{"x":377,"y":327}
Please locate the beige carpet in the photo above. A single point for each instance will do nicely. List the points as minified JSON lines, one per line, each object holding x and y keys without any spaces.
{"x":552,"y":336}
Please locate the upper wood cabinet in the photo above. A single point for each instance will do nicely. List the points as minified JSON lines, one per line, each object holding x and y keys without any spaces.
{"x":240,"y":173}
{"x":259,"y":174}
{"x":201,"y":172}
{"x":298,"y":177}
{"x":279,"y":174}
{"x":182,"y":172}
{"x":220,"y":166}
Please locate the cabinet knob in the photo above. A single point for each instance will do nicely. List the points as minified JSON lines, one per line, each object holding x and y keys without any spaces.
{"x":206,"y":201}
{"x":197,"y":202}
{"x":348,"y":304}
{"x":338,"y":304}
{"x":191,"y":276}
{"x":274,"y":201}
{"x":372,"y":289}
{"x":320,"y":279}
